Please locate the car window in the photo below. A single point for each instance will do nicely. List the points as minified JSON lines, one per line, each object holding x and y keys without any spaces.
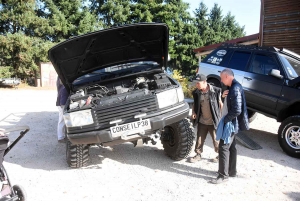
{"x":291,"y":65}
{"x":218,"y":57}
{"x":263,"y":64}
{"x":239,"y":60}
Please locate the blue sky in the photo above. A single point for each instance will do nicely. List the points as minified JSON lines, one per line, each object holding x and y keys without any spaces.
{"x":246,"y":12}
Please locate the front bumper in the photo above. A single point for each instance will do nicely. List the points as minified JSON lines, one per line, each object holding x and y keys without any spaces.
{"x":157,"y":122}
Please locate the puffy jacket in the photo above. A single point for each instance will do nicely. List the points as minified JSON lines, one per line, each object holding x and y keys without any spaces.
{"x":214,"y":97}
{"x":237,"y":109}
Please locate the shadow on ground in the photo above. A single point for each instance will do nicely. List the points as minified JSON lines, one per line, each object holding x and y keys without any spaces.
{"x":294,"y":195}
{"x":39,"y":149}
{"x":270,"y":148}
{"x":147,"y":156}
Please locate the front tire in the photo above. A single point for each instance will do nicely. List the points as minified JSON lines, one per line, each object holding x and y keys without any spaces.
{"x":178,"y":139}
{"x":289,"y":136}
{"x":20,"y":192}
{"x":77,"y":154}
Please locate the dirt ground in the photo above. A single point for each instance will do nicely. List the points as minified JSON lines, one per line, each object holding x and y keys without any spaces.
{"x":123,"y":172}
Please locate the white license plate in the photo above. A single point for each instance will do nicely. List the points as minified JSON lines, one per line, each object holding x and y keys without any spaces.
{"x":130,"y":128}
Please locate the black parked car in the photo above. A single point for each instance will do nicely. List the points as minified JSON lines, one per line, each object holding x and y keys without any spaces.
{"x":120,"y":93}
{"x":270,"y":78}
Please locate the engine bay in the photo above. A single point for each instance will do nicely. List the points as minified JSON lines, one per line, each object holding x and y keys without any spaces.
{"x":118,"y":91}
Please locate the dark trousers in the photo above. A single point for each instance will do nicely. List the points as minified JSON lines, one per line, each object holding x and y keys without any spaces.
{"x":201,"y":136}
{"x":227,"y":157}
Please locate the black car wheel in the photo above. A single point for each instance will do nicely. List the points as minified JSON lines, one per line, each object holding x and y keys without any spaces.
{"x":77,"y":154}
{"x":251,"y":115}
{"x":289,"y":136}
{"x":214,"y":82}
{"x":20,"y":192}
{"x":217,"y":83}
{"x":177,"y":139}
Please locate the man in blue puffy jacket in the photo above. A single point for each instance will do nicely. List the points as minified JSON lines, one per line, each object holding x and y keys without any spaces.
{"x":237,"y":114}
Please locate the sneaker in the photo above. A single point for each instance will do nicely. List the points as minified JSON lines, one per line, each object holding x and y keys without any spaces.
{"x":215,"y":160}
{"x":219,"y":179}
{"x":195,"y":158}
{"x":62,"y":140}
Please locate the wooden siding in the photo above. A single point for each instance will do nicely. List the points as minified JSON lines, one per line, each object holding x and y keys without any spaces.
{"x":281,"y":24}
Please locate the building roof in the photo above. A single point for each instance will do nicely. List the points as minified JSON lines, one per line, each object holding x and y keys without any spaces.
{"x":246,"y":40}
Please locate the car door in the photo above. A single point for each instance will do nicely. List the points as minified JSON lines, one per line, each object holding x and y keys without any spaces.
{"x":262,"y":90}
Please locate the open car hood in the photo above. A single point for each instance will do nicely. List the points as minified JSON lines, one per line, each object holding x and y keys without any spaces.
{"x":83,"y":54}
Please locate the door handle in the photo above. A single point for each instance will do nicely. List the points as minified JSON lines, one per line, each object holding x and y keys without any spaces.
{"x":248,"y":78}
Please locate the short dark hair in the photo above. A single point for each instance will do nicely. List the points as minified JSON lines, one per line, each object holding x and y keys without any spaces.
{"x":227,"y":71}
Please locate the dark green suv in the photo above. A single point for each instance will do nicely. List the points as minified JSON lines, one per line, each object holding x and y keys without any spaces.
{"x":270,"y":78}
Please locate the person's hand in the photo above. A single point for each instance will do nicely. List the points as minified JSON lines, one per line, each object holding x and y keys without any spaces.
{"x":225,"y":93}
{"x":194,"y":115}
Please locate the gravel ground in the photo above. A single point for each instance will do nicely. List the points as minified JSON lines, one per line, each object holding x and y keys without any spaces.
{"x":123,"y":172}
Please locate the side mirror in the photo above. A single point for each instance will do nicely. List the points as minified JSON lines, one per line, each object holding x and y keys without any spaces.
{"x":276,"y":73}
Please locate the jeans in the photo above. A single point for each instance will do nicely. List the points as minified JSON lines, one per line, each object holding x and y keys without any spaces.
{"x":227,"y":157}
{"x":201,"y":136}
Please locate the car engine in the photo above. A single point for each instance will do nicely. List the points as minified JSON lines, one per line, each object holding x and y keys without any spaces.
{"x":102,"y":95}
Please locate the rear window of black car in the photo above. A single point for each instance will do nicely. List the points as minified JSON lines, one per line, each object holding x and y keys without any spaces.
{"x":218,"y":57}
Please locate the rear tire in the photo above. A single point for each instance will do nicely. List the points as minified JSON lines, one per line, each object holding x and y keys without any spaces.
{"x":177,"y":139}
{"x":77,"y":154}
{"x":251,"y":115}
{"x":214,"y":82}
{"x":217,"y":83}
{"x":20,"y":192}
{"x":289,"y":136}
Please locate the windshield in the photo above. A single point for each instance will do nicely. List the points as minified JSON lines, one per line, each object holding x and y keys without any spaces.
{"x":116,"y":71}
{"x":291,"y":65}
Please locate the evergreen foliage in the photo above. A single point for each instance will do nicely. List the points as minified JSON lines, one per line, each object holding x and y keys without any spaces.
{"x":29,"y":28}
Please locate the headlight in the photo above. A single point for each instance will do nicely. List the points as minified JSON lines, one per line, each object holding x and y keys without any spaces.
{"x":167,"y":98}
{"x":80,"y":118}
{"x":180,"y":94}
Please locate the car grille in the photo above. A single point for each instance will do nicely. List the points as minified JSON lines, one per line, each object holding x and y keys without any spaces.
{"x":125,"y":110}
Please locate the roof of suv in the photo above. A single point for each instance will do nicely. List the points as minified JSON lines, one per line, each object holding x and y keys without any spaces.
{"x":260,"y":48}
{"x":238,"y":60}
